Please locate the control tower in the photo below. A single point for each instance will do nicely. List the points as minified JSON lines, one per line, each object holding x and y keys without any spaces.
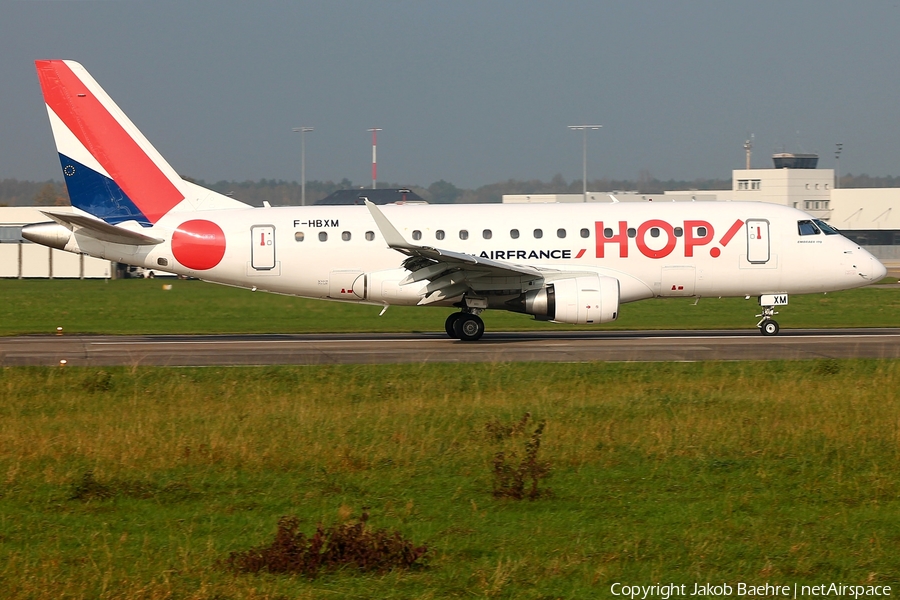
{"x":790,"y":160}
{"x":794,"y":180}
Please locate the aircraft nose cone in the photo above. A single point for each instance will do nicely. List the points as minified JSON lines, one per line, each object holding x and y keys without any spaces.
{"x":877,"y":270}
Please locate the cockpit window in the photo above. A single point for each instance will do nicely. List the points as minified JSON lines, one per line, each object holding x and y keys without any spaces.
{"x":807,"y":228}
{"x":826,"y":228}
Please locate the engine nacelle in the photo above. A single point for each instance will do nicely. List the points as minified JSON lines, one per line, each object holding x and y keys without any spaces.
{"x":578,"y":300}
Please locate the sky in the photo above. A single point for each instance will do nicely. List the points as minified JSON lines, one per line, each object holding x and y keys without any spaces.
{"x":467,"y":91}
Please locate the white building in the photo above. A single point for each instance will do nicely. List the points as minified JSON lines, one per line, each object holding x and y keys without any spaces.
{"x":865,"y":215}
{"x":20,"y":258}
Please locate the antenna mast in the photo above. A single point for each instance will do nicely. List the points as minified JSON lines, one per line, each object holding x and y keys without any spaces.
{"x":748,"y":147}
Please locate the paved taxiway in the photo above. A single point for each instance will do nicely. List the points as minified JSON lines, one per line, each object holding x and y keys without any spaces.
{"x":561,"y":346}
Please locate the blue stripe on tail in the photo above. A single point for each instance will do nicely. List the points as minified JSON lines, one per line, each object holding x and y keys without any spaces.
{"x":99,"y":195}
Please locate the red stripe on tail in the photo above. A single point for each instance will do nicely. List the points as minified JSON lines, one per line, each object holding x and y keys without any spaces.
{"x":109,"y":143}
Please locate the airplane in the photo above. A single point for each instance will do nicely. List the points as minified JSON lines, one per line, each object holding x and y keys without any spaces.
{"x":566,"y":263}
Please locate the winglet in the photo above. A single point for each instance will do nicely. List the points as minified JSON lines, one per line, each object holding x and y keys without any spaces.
{"x":393,"y":237}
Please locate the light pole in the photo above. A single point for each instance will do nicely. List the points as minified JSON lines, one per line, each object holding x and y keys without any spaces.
{"x":584,"y":129}
{"x":374,"y":131}
{"x":302,"y":131}
{"x":837,"y":158}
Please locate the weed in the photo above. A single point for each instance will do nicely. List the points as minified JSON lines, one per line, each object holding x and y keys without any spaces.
{"x":348,"y":544}
{"x":827,"y":367}
{"x":91,"y":489}
{"x":101,"y":381}
{"x":510,"y":481}
{"x":498,"y":431}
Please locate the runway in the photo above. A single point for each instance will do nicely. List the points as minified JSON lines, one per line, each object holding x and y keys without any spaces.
{"x":320,"y":349}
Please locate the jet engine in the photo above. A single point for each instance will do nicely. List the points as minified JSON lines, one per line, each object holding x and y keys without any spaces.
{"x":584,"y":299}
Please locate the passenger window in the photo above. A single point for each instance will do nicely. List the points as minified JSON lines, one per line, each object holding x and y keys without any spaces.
{"x":345,"y":236}
{"x":701,"y":232}
{"x":417,"y":235}
{"x":323,"y":236}
{"x":298,"y":236}
{"x":632,"y":232}
{"x":439,"y":234}
{"x":560,"y":233}
{"x":463,"y":234}
{"x":654,"y":232}
{"x":585,"y":232}
{"x":514,"y":234}
{"x":538,"y":234}
{"x":807,"y":228}
{"x":486,"y":234}
{"x":679,"y":232}
{"x":370,"y":235}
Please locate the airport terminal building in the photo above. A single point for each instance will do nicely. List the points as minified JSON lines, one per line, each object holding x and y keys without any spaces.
{"x":865,"y":215}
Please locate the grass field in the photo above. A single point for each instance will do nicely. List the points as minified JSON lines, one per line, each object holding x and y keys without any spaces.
{"x":143,"y":306}
{"x":777,"y":472}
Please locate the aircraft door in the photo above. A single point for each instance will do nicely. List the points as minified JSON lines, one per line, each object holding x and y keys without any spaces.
{"x":757,"y":241}
{"x":262,"y":247}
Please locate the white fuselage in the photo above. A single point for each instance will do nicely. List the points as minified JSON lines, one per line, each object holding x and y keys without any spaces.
{"x":652,"y":249}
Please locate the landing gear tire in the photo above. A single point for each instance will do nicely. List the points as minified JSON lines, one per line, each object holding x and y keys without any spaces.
{"x":468,"y":327}
{"x":450,"y":324}
{"x":769,"y":327}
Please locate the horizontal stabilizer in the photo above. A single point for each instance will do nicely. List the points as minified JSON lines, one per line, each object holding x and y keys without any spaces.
{"x":101,"y":230}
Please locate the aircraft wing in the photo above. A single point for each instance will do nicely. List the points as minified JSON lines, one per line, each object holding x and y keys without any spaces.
{"x":101,"y":230}
{"x":449,"y":273}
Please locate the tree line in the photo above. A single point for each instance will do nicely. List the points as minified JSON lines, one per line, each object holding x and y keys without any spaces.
{"x":278,"y":192}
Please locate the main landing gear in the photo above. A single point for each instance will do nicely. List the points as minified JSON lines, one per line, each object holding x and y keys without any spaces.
{"x":767,"y":325}
{"x":464,"y":326}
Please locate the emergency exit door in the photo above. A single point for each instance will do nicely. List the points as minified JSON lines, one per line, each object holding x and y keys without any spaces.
{"x":757,"y":241}
{"x":262,"y":247}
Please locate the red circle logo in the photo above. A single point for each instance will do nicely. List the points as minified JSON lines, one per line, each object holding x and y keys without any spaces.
{"x":198,"y":244}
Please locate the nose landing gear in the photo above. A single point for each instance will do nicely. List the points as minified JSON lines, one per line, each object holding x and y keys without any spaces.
{"x":767,"y":303}
{"x":767,"y":325}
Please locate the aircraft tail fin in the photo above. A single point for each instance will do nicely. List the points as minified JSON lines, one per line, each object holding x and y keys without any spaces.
{"x":111,"y":170}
